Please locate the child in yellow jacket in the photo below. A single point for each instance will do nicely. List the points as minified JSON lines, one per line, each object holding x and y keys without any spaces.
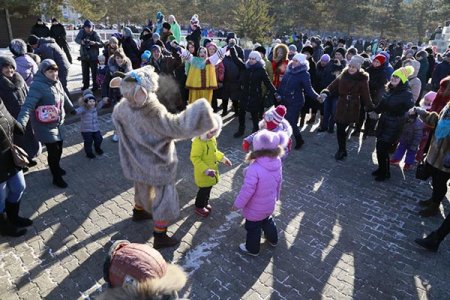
{"x":205,"y":156}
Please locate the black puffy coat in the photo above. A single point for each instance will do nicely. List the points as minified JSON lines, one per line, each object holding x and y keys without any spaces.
{"x":377,"y":82}
{"x":251,"y":79}
{"x":40,"y":30}
{"x":9,"y":127}
{"x":393,"y":107}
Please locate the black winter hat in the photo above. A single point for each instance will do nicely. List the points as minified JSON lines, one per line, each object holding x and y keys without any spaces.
{"x":230,"y":35}
{"x":261,"y":49}
{"x":7,"y":61}
{"x":166,"y":25}
{"x":308,"y":49}
{"x":206,"y":41}
{"x":33,"y":40}
{"x":341,"y":50}
{"x":54,"y":20}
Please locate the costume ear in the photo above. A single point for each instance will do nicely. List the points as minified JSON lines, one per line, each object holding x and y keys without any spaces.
{"x":140,"y":96}
{"x":115,"y":82}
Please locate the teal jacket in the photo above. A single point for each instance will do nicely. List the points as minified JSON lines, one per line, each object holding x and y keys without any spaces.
{"x":44,"y":91}
{"x":205,"y":155}
{"x":176,"y":30}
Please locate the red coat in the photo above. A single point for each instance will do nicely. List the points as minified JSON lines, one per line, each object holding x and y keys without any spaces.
{"x":278,"y":71}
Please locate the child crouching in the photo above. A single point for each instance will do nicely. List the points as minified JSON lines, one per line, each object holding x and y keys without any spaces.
{"x":205,"y":157}
{"x":89,"y":127}
{"x":261,"y":189}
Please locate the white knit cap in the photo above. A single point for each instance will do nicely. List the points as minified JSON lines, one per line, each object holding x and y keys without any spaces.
{"x":255,"y":54}
{"x":300,"y":57}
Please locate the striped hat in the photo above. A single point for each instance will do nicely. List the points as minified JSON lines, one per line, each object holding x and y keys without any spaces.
{"x":274,"y":116}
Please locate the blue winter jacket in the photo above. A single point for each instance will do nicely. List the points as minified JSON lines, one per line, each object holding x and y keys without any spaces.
{"x":295,"y":82}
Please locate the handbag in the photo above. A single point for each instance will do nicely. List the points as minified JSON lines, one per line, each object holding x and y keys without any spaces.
{"x":20,"y":157}
{"x":423,"y":170}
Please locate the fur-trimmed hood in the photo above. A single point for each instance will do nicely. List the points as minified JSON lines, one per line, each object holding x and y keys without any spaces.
{"x":285,"y":52}
{"x":360,"y":75}
{"x":12,"y":84}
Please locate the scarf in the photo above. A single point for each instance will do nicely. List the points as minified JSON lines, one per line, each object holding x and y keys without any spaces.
{"x":443,"y":125}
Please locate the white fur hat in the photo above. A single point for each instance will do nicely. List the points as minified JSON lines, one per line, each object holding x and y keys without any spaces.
{"x":256,"y":55}
{"x":301,"y":58}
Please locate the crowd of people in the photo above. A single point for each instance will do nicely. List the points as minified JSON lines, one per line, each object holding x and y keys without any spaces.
{"x":398,"y":94}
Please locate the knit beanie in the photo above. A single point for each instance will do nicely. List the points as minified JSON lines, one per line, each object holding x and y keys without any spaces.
{"x":356,"y":61}
{"x":293,"y":48}
{"x":18,"y":47}
{"x":33,"y":40}
{"x":261,"y":50}
{"x":88,"y":23}
{"x":430,"y":96}
{"x":88,"y":96}
{"x":47,"y":64}
{"x":268,"y":140}
{"x":308,"y":49}
{"x":274,"y":116}
{"x":325,"y":58}
{"x":113,"y":40}
{"x":146,"y":55}
{"x":256,"y":55}
{"x":166,"y":25}
{"x":341,"y":51}
{"x":155,"y":47}
{"x":403,"y":73}
{"x":156,"y":36}
{"x":7,"y":61}
{"x":381,"y":58}
{"x":300,"y":57}
{"x":194,"y":20}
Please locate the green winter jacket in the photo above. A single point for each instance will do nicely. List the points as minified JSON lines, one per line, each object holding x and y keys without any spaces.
{"x":176,"y":30}
{"x":205,"y":155}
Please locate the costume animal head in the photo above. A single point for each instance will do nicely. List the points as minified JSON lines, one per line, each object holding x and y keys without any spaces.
{"x":138,"y":86}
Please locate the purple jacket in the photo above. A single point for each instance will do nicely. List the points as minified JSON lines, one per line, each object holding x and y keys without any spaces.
{"x":26,"y":67}
{"x":261,"y":189}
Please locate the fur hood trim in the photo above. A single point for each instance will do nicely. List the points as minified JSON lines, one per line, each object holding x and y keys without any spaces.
{"x":285,"y":54}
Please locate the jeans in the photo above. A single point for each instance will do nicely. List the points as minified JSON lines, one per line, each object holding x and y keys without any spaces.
{"x":12,"y":189}
{"x":292,"y":115}
{"x":202,"y":198}
{"x":329,"y":112}
{"x":400,"y":152}
{"x":54,"y":151}
{"x":90,"y":138}
{"x":86,"y":66}
{"x":254,"y":233}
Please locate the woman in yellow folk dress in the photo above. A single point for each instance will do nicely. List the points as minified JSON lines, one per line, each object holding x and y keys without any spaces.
{"x":201,"y":77}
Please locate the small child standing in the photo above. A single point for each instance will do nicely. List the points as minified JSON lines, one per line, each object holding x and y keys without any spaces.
{"x":205,"y":157}
{"x":425,"y":103}
{"x":273,"y":120}
{"x":89,"y":126}
{"x":101,"y":73}
{"x":409,"y":142}
{"x":261,"y":189}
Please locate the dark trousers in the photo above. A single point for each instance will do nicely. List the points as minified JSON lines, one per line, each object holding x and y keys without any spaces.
{"x":254,"y":229}
{"x":439,"y":183}
{"x":90,"y":138}
{"x":444,"y":229}
{"x":54,"y":151}
{"x":292,"y":115}
{"x":383,"y":150}
{"x":86,"y":67}
{"x":341,"y":134}
{"x":216,"y":95}
{"x":202,"y":198}
{"x":243,"y":113}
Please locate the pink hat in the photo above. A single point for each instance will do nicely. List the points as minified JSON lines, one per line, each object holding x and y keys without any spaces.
{"x":430,"y":96}
{"x":268,"y":140}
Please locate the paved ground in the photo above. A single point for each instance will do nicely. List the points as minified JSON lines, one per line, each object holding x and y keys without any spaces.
{"x":343,"y":236}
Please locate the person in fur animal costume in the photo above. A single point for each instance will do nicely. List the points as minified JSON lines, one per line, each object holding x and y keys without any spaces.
{"x":273,"y":120}
{"x":147,"y":134}
{"x":137,"y":271}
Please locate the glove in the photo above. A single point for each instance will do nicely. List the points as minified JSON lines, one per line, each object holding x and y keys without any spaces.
{"x":373,"y":115}
{"x":245,"y":146}
{"x":322,"y":98}
{"x":447,"y":161}
{"x":73,"y":112}
{"x":210,"y":173}
{"x":420,"y":111}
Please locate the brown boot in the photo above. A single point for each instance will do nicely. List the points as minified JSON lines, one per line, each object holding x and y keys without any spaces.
{"x":162,"y":240}
{"x":430,"y":211}
{"x":141,"y":215}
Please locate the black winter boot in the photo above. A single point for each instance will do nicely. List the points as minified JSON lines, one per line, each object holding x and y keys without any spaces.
{"x":162,"y":240}
{"x":8,"y":229}
{"x":298,"y":142}
{"x":12,"y":211}
{"x":59,"y":182}
{"x":141,"y":215}
{"x":431,"y":242}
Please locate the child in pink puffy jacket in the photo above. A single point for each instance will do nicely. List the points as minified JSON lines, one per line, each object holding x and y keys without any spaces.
{"x":261,"y":189}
